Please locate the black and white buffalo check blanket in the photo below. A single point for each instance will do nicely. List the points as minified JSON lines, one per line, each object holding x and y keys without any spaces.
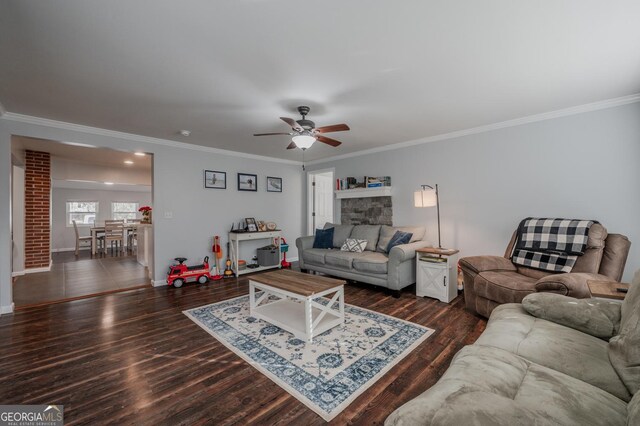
{"x":551,"y":244}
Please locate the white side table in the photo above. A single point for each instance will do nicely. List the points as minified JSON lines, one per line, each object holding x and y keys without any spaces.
{"x":434,"y":276}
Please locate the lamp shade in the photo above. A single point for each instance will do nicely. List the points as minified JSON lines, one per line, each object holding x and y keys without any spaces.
{"x":303,"y":141}
{"x":424,"y":198}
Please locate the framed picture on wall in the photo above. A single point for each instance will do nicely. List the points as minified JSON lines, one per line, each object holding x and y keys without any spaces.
{"x":247,"y":182}
{"x":274,"y":184}
{"x":215,"y":179}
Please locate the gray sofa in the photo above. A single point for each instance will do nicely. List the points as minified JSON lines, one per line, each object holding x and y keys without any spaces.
{"x":573,"y":362}
{"x":394,"y":270}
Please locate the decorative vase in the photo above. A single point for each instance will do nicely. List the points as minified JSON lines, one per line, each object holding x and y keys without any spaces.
{"x":146,"y":216}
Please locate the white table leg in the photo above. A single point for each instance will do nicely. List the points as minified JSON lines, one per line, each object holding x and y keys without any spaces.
{"x":341,"y":301}
{"x":252,"y":297}
{"x":308,"y":320}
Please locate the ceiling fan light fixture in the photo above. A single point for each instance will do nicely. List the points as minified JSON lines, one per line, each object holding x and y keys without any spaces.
{"x":303,"y":141}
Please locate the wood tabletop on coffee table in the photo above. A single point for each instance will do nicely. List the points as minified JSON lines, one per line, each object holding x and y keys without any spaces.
{"x":297,"y":282}
{"x":607,"y":289}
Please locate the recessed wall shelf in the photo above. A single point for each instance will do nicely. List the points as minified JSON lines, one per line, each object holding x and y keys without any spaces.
{"x":382,"y":191}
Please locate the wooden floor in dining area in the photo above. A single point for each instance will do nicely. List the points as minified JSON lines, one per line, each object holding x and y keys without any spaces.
{"x":79,"y":276}
{"x":135,"y":358}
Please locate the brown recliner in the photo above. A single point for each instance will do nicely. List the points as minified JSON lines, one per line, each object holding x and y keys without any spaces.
{"x":490,"y":281}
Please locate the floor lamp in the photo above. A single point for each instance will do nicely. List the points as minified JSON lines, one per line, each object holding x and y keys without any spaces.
{"x":428,"y":197}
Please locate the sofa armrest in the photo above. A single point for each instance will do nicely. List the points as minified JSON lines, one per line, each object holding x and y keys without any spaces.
{"x":401,"y":268}
{"x":572,"y":284}
{"x":404,"y":252}
{"x":599,"y":318}
{"x":477,"y":264}
{"x":303,"y":243}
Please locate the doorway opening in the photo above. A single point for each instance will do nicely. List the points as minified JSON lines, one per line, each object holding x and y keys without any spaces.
{"x":320,"y":185}
{"x":77,"y":228}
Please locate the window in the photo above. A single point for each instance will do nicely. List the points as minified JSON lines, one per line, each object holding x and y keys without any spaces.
{"x":83,"y":212}
{"x":124,"y":210}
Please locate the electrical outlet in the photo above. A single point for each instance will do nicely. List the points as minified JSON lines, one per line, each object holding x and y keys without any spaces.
{"x":168,"y":215}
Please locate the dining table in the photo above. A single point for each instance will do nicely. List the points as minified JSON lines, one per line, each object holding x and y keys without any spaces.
{"x":96,"y":230}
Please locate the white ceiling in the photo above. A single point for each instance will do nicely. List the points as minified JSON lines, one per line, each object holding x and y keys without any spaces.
{"x":84,"y":154}
{"x":394,"y":71}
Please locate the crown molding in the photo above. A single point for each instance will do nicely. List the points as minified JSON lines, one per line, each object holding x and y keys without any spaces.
{"x":594,"y":106}
{"x":10,"y":116}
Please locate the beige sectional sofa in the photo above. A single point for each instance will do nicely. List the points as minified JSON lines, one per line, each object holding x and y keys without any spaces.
{"x":393,"y":270}
{"x":579,"y":366}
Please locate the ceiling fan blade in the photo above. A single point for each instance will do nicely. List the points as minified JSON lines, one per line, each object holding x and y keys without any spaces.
{"x":332,"y":128}
{"x":291,"y":122}
{"x":270,"y":134}
{"x":328,"y":141}
{"x":292,"y":145}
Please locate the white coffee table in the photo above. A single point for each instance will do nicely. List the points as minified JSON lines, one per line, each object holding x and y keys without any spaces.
{"x":296,"y":309}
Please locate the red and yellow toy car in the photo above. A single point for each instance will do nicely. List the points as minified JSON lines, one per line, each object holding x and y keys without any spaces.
{"x":181,"y":273}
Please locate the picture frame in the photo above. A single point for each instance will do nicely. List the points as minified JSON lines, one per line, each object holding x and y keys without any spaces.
{"x":247,"y":182}
{"x":214,"y":179}
{"x":251,"y":224}
{"x":274,"y":184}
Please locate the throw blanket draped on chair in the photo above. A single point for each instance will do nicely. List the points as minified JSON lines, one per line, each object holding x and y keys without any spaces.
{"x":551,"y":244}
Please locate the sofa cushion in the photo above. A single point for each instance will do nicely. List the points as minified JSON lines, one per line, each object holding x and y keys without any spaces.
{"x":633,"y":410}
{"x":340,"y":233}
{"x":386,"y":232}
{"x":503,"y":286}
{"x":592,"y":257}
{"x":417,"y":232}
{"x":353,"y":245}
{"x":341,"y":259}
{"x":561,"y":348}
{"x":398,"y":239}
{"x":323,"y":239}
{"x":597,"y":317}
{"x":371,"y":263}
{"x":489,"y":386}
{"x":313,"y":255}
{"x":624,"y":349}
{"x":367,"y":232}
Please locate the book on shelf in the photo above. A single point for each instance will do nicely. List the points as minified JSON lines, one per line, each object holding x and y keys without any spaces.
{"x":432,"y":259}
{"x":367,"y":182}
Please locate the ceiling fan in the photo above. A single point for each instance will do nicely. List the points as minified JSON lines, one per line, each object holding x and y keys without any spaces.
{"x":305,"y":132}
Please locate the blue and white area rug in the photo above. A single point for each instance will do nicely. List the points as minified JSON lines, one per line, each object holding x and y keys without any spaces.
{"x":326,"y":375}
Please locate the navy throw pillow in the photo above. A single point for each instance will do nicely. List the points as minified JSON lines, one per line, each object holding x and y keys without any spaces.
{"x":323,"y":239}
{"x":399,"y":238}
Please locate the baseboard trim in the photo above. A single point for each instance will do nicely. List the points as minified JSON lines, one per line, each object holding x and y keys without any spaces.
{"x":60,"y":250}
{"x":7,"y":309}
{"x":17,"y":273}
{"x":159,"y":283}
{"x":37,"y":270}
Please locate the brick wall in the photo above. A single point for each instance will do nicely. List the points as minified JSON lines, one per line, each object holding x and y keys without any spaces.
{"x":366,"y":211}
{"x":37,"y":200}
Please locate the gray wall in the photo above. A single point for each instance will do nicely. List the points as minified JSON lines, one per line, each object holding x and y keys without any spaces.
{"x":579,"y":166}
{"x":63,"y":236}
{"x":198,"y":213}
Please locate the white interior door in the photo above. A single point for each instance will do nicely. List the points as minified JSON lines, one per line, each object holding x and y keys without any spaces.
{"x":320,"y":199}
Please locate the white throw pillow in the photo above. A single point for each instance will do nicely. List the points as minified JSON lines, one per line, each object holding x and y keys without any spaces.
{"x":353,"y":245}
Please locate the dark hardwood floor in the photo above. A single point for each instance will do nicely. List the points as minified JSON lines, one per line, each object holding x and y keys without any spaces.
{"x":74,"y":277}
{"x":134,"y":358}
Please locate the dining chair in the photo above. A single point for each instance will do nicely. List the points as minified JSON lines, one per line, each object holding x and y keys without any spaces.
{"x":114,"y":232}
{"x":80,"y":239}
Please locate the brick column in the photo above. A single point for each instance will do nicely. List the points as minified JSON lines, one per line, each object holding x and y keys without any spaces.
{"x":37,"y":200}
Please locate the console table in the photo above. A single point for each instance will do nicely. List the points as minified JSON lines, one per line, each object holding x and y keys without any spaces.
{"x":236,"y":237}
